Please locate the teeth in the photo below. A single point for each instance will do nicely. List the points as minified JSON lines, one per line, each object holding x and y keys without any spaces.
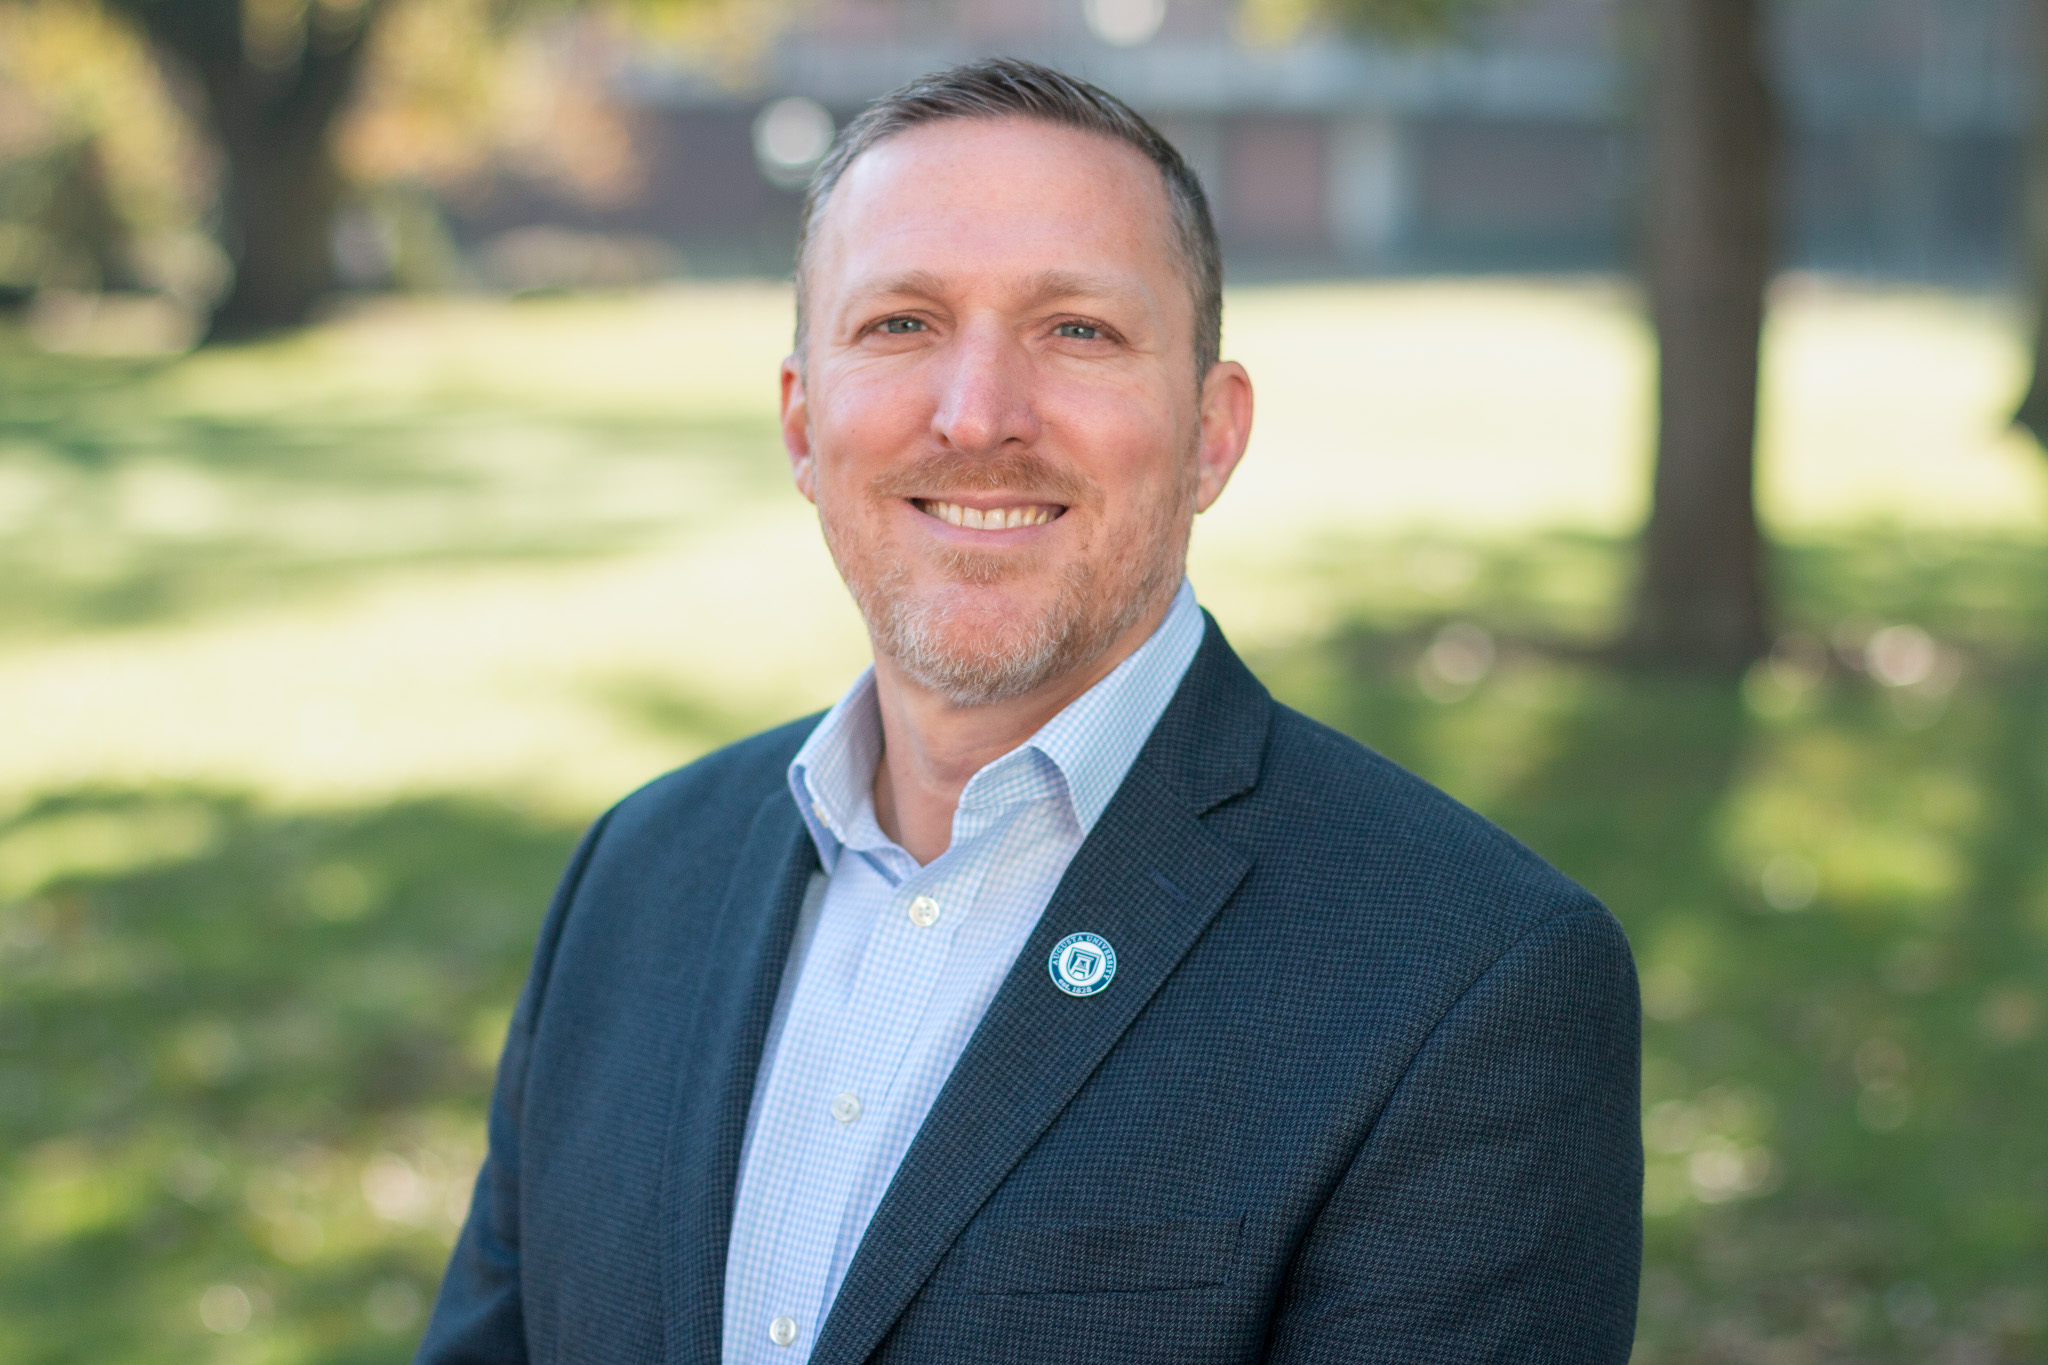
{"x":994,"y":519}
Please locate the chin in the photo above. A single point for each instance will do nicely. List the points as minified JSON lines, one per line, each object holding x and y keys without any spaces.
{"x":974,"y":611}
{"x":980,"y":645}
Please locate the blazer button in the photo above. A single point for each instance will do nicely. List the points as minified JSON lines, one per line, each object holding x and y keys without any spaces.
{"x":782,"y":1331}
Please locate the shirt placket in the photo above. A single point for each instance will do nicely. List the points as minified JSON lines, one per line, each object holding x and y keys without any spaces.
{"x":898,"y":975}
{"x":803,"y":1175}
{"x":789,"y":1292}
{"x":901,"y":977}
{"x":842,"y":1106}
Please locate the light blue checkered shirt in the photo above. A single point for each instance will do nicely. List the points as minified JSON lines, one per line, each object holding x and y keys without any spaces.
{"x":893,"y":966}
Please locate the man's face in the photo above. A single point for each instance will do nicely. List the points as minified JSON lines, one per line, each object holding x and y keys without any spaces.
{"x":997,"y":411}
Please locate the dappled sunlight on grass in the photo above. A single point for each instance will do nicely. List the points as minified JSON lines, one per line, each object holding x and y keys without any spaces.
{"x":135,"y":493}
{"x":257,"y":1065}
{"x":321,"y":651}
{"x":508,"y":680}
{"x":1366,"y":411}
{"x":1887,"y":402}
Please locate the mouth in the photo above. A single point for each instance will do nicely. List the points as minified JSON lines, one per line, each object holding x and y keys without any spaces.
{"x":1006,"y":518}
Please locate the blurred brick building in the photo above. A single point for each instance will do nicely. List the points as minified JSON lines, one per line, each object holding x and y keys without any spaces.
{"x":1512,"y":149}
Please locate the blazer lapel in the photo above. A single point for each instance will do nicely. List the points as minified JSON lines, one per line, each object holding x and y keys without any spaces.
{"x":708,"y":1116}
{"x":1149,"y":879}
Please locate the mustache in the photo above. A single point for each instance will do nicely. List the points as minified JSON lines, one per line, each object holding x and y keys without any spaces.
{"x":1021,"y":472}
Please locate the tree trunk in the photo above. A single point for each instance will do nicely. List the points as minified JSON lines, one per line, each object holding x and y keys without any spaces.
{"x":1700,"y":601}
{"x":274,"y":123}
{"x":2033,"y":410}
{"x":282,"y":194}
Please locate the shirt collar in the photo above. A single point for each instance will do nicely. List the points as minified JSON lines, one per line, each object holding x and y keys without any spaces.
{"x":833,"y":776}
{"x":1092,"y":743}
{"x":1095,"y":740}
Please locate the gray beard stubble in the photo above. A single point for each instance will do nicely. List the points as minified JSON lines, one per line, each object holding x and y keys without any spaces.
{"x":1086,"y":616}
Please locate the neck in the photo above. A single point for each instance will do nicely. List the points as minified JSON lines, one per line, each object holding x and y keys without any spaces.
{"x":932,"y":746}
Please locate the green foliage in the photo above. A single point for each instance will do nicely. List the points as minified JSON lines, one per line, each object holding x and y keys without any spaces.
{"x":101,"y":184}
{"x":1407,"y":20}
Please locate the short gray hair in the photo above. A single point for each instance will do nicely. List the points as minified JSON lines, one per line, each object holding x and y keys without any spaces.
{"x":1006,"y":87}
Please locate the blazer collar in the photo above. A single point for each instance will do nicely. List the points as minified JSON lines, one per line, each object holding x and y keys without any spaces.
{"x":1210,"y":741}
{"x":1149,"y":878}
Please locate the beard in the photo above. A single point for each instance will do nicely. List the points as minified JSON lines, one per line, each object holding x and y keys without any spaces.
{"x":952,"y":640}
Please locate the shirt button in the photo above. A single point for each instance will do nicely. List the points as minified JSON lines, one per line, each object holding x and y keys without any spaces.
{"x":782,"y":1331}
{"x":846,"y":1107}
{"x":818,"y":809}
{"x":924,"y":912}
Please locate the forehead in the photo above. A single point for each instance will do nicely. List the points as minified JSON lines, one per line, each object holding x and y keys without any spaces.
{"x":988,"y":197}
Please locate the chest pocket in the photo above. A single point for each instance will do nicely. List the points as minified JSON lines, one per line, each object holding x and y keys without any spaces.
{"x":1088,"y":1258}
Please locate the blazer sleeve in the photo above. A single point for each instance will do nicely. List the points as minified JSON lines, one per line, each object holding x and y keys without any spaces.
{"x":477,"y":1317}
{"x":1494,"y":1212}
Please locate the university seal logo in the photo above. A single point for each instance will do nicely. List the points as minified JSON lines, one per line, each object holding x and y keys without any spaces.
{"x":1082,"y":964}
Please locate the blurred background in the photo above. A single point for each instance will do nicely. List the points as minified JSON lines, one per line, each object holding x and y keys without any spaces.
{"x":389,"y":481}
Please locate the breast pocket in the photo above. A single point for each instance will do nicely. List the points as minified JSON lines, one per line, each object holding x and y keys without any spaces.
{"x":1088,"y":1258}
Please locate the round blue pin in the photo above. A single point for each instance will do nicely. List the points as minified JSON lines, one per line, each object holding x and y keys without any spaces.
{"x":1082,"y":964}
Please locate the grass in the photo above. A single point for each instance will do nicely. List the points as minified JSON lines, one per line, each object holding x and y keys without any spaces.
{"x":320,"y":653}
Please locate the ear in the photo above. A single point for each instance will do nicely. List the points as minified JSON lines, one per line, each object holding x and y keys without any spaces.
{"x":796,"y":428}
{"x":1226,"y":427}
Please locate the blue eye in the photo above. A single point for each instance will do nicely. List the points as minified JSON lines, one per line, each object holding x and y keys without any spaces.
{"x":902,"y":326}
{"x":1078,"y":331}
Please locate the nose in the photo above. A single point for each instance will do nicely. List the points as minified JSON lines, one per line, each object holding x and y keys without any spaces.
{"x":984,"y":399}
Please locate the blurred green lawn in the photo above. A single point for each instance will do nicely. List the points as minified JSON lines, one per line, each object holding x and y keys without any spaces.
{"x":316,"y":655}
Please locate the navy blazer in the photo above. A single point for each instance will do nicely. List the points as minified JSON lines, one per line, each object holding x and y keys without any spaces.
{"x":1364,"y":1089}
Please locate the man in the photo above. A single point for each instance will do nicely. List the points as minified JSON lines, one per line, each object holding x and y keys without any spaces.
{"x":1058,"y":996}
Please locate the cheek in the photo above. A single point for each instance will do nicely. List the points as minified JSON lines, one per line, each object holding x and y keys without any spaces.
{"x":850,"y":453}
{"x":843,"y":462}
{"x":1136,"y":453}
{"x":869,"y":418}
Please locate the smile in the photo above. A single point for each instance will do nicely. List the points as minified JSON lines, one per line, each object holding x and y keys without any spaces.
{"x":991,"y":518}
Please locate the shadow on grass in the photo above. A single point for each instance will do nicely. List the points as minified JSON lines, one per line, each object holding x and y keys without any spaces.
{"x":252,"y":1065}
{"x":121,"y":504}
